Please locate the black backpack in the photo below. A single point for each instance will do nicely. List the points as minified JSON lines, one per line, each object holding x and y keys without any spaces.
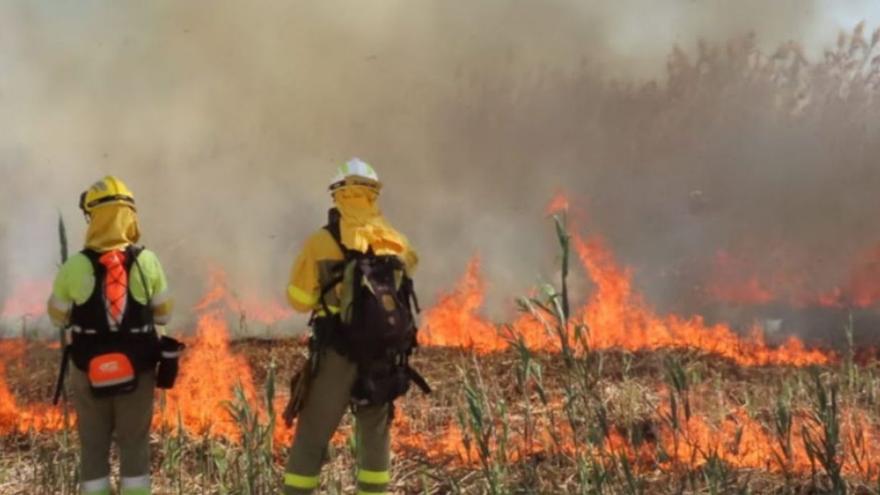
{"x":375,"y":326}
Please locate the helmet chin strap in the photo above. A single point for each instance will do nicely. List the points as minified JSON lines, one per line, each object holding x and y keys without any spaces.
{"x":82,"y":207}
{"x":82,"y":201}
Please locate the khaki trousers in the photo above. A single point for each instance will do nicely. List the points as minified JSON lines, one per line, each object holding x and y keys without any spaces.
{"x":328,"y":398}
{"x":125,"y":418}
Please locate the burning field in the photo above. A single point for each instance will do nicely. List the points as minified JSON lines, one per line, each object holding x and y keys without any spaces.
{"x":603,"y":397}
{"x":711,"y":326}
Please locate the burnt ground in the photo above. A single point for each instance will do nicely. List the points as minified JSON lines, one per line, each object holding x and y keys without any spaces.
{"x":493,"y":407}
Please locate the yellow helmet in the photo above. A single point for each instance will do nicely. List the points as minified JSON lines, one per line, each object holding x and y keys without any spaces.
{"x":355,"y":172}
{"x":108,"y":190}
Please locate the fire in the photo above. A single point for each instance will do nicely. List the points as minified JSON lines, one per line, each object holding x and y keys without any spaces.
{"x":266,"y":311}
{"x":454,"y":321}
{"x":263,"y":311}
{"x":863,"y":286}
{"x":557,"y":204}
{"x":28,"y":299}
{"x":615,"y":314}
{"x":9,"y":410}
{"x":742,"y":441}
{"x":732,"y":280}
{"x":618,"y":317}
{"x":17,"y":418}
{"x":734,"y":437}
{"x":211,"y":374}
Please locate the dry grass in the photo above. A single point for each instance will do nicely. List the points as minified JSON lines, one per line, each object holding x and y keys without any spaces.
{"x":630,"y":400}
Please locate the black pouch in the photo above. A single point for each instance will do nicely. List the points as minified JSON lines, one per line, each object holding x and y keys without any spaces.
{"x":169,"y":361}
{"x":380,"y":384}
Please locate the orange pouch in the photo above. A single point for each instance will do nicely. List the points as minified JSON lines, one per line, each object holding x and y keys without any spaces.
{"x":111,"y":374}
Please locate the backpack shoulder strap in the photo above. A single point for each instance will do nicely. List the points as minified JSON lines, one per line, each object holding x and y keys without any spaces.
{"x":132,"y":254}
{"x":333,"y":228}
{"x":91,"y":255}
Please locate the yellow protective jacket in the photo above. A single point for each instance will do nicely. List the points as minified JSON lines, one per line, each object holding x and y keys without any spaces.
{"x":313,"y":269}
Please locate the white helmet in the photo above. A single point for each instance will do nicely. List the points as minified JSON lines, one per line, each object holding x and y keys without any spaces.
{"x":355,"y":172}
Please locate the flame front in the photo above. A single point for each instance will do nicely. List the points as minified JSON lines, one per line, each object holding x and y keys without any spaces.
{"x":733,"y":280}
{"x":619,"y":317}
{"x":616,"y":316}
{"x":209,"y":377}
{"x":211,"y":373}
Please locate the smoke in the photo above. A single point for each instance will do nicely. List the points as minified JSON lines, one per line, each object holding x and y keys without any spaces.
{"x":227,"y":120}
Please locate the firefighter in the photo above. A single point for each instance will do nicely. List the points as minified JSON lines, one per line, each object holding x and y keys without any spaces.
{"x":337,"y":375}
{"x":110,"y":297}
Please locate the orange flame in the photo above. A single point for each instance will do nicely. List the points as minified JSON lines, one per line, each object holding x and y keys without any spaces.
{"x":16,"y":418}
{"x":263,"y":310}
{"x":735,"y":437}
{"x":454,"y":321}
{"x":558,"y":204}
{"x":616,"y":315}
{"x":211,"y":373}
{"x":9,"y":410}
{"x":28,"y":299}
{"x":732,"y":281}
{"x":864,"y":281}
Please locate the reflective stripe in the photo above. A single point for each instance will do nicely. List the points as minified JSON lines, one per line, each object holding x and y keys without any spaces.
{"x":110,"y":383}
{"x":136,"y":485}
{"x":170,"y":354}
{"x":59,"y":311}
{"x":162,"y":306}
{"x":136,"y":481}
{"x":374,"y":477}
{"x":334,"y":310}
{"x":56,"y":303}
{"x":301,"y":296}
{"x":98,"y":486}
{"x":162,"y":319}
{"x":58,"y":317}
{"x":90,"y":331}
{"x":161,"y":298}
{"x":299,"y":481}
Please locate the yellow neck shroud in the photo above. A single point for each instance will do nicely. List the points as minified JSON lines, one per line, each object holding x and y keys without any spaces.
{"x":112,"y":227}
{"x":362,"y":225}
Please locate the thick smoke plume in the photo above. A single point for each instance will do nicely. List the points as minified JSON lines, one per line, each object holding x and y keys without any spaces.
{"x":227,"y":119}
